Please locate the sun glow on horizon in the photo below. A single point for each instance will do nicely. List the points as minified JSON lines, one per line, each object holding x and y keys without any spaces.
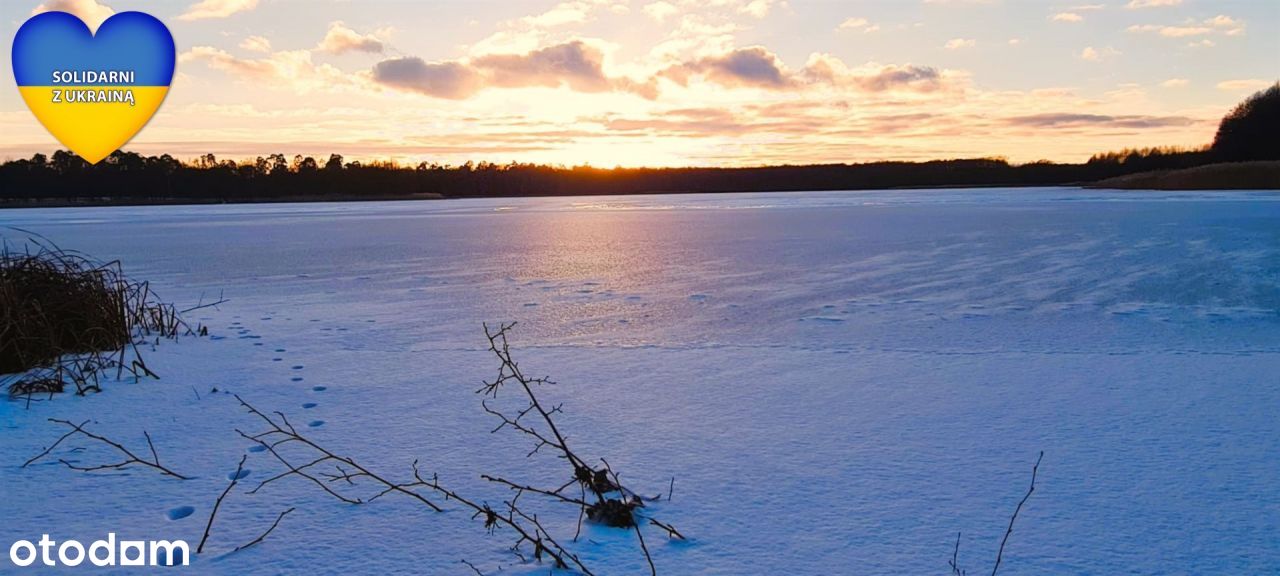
{"x":679,"y":83}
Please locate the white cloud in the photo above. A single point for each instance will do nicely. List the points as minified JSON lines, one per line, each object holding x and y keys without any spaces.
{"x":1247,"y":85}
{"x":1088,"y":7}
{"x":256,"y":44}
{"x":660,"y":11}
{"x":289,"y":70}
{"x":1097,"y":55}
{"x":1220,"y":24}
{"x":959,"y":43}
{"x":854,"y":23}
{"x":340,"y":39}
{"x":92,"y":12}
{"x":206,"y":9}
{"x":1175,"y":83}
{"x":1135,"y":4}
{"x":1206,"y":43}
{"x":1015,"y":41}
{"x":1067,"y":17}
{"x":560,"y":15}
{"x":760,"y":8}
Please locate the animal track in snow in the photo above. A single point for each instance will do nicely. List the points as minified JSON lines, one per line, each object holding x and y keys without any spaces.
{"x":180,"y":512}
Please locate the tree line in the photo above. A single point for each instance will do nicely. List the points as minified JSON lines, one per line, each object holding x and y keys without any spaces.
{"x":1246,"y":133}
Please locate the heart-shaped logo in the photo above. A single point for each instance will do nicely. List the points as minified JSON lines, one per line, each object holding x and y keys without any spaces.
{"x":93,"y":92}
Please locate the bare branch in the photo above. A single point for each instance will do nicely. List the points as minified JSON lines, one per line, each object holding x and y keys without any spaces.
{"x":130,"y":457}
{"x":1014,"y":517}
{"x":263,"y":536}
{"x":218,"y":503}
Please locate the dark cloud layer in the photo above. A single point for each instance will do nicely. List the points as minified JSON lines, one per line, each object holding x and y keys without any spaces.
{"x":574,"y":64}
{"x":450,"y":80}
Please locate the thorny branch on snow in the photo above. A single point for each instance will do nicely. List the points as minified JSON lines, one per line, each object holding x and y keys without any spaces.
{"x":604,"y":499}
{"x":609,"y":503}
{"x":347,"y":472}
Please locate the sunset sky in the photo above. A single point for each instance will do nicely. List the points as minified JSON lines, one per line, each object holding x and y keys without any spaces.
{"x":676,"y":82}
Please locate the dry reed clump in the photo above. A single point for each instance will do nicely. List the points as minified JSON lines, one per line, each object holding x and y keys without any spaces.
{"x":66,"y":319}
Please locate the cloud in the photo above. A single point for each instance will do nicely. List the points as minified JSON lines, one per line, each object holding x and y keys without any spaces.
{"x":757,"y":67}
{"x":919,"y":78}
{"x":450,"y":80}
{"x":576,"y":65}
{"x":1175,"y":83}
{"x":1220,"y":24}
{"x":1015,"y":41}
{"x":1067,"y":17}
{"x":1136,"y":4}
{"x":560,"y":15}
{"x":960,"y":43}
{"x":660,"y":11}
{"x":1248,"y":85}
{"x":340,"y":39}
{"x":1088,"y":7}
{"x":829,"y":70}
{"x":752,"y":66}
{"x":1206,"y":43}
{"x":1095,"y":55}
{"x":206,"y":9}
{"x":1072,"y":120}
{"x":256,"y":44}
{"x":1172,"y":31}
{"x":293,"y":69}
{"x":759,"y":8}
{"x":858,"y":24}
{"x":92,"y":12}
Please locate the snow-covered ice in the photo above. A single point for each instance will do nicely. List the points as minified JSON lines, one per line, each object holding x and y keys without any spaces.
{"x":838,"y":382}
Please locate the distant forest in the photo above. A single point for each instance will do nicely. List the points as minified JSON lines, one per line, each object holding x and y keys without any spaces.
{"x":1248,"y":132}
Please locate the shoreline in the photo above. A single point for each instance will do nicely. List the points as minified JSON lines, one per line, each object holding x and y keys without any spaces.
{"x":1259,"y":176}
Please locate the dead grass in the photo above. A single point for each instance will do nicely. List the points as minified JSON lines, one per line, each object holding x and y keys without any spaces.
{"x":1228,"y":176}
{"x":66,"y":318}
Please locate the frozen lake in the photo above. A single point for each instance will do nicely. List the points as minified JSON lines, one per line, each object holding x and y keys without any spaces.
{"x":839,"y":382}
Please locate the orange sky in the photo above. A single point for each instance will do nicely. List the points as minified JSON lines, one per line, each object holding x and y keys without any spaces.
{"x":712,"y":82}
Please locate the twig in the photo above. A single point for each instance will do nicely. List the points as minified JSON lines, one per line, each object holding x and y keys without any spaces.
{"x":608,"y":509}
{"x":955,"y":559}
{"x":131,"y":458}
{"x":283,"y":432}
{"x":264,"y":534}
{"x":671,"y":531}
{"x":653,"y":570}
{"x":235,"y":479}
{"x":1000,"y":554}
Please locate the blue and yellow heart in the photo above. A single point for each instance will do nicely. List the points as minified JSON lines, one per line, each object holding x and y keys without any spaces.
{"x":93,"y":92}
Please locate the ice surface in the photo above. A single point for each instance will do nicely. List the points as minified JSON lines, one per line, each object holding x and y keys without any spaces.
{"x":839,"y":382}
